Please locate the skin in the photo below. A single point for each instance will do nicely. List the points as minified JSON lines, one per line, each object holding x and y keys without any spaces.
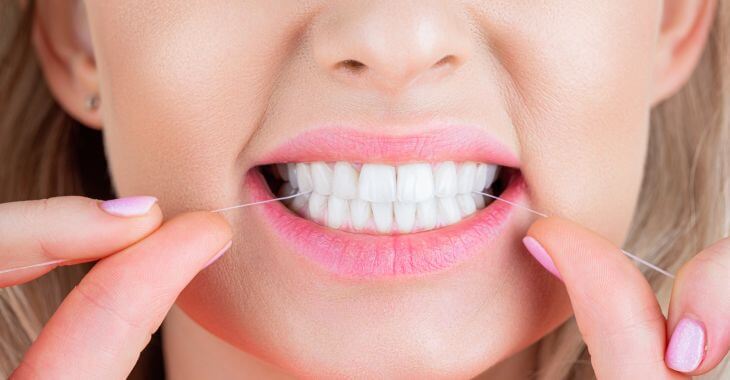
{"x":192,"y":93}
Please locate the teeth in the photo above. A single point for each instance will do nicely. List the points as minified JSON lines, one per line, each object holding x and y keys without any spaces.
{"x":444,"y":178}
{"x":317,"y":206}
{"x":337,"y":212}
{"x":479,"y":201}
{"x":466,"y":204}
{"x":321,"y":178}
{"x":377,"y":183}
{"x":405,"y":216}
{"x":465,"y":177}
{"x":427,"y":214}
{"x":344,"y":183}
{"x":449,"y":212}
{"x":360,"y":213}
{"x":385,"y":198}
{"x":415,"y":182}
{"x":304,"y":178}
{"x":383,"y":216}
{"x":484,"y":177}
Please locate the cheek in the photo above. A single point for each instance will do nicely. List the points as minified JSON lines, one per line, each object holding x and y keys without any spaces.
{"x":182,"y":95}
{"x":579,"y":80}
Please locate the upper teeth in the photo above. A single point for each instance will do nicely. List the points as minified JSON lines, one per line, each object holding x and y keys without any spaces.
{"x":386,"y":198}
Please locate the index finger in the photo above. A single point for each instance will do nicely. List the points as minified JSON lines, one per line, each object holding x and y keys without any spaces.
{"x":615,"y":308}
{"x":106,"y":320}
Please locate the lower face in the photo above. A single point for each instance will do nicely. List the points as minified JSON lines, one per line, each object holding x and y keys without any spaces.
{"x":392,"y":261}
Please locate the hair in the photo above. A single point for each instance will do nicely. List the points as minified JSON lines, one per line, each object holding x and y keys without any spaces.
{"x":684,"y":204}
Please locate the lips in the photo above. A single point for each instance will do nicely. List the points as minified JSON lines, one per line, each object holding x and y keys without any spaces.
{"x":363,"y":254}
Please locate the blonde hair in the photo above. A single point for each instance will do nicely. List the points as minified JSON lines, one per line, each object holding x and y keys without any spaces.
{"x":684,"y":203}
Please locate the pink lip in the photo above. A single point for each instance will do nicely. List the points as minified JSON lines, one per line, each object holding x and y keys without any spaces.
{"x":441,"y":142}
{"x":376,"y":256}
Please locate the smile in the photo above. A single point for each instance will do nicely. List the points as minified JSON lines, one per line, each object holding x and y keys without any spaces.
{"x":367,"y":218}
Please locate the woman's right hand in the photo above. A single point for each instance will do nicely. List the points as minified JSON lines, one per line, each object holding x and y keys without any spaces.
{"x":108,"y":318}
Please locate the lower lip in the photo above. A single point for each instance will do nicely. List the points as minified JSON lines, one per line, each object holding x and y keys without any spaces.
{"x":366,"y":256}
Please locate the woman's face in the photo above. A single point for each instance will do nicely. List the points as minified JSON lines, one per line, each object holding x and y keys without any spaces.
{"x":198,"y":96}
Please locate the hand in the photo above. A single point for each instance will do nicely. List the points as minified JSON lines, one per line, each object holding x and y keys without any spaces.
{"x":618,"y":314}
{"x":108,"y":318}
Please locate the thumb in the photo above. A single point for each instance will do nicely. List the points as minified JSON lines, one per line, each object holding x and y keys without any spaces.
{"x":615,"y":308}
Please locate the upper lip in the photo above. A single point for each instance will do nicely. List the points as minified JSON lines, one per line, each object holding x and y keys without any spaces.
{"x":434,"y":142}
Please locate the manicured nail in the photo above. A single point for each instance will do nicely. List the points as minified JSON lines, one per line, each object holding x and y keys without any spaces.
{"x":219,"y":254}
{"x":686,"y":347}
{"x":129,"y":206}
{"x":539,"y":253}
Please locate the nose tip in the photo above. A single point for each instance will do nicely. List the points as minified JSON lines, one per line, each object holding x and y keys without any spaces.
{"x":389,"y":48}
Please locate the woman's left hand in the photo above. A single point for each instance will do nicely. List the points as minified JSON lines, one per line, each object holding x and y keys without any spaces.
{"x":618,"y":314}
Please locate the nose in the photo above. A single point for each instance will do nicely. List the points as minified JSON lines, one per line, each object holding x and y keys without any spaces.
{"x":389,"y":45}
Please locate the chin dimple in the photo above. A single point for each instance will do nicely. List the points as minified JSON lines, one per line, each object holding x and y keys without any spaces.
{"x":386,"y":199}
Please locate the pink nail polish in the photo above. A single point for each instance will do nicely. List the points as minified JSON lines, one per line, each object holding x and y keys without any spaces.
{"x":129,"y":206}
{"x":218,"y":255}
{"x":539,"y":253}
{"x":687,"y":346}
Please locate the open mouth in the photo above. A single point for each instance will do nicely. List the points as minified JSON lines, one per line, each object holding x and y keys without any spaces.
{"x":383,"y":206}
{"x":386,"y":199}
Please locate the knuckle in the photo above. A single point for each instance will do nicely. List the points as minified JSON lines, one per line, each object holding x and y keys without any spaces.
{"x":101,"y":297}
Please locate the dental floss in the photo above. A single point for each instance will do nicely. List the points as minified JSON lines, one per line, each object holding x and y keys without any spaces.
{"x":630,"y":255}
{"x":224,"y":209}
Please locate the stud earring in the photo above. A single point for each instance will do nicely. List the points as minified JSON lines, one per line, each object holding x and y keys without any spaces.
{"x":92,"y":102}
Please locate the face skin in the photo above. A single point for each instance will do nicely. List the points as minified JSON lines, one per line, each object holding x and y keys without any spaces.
{"x":194,"y":94}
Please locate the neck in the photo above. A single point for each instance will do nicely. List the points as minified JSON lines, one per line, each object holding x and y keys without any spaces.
{"x":191,"y":352}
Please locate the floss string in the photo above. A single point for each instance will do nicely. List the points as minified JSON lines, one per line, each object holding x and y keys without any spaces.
{"x":224,"y":209}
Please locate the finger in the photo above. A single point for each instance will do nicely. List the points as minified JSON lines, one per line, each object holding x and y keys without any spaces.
{"x":615,"y":308}
{"x":104,"y":323}
{"x":75,"y":228}
{"x":699,"y":313}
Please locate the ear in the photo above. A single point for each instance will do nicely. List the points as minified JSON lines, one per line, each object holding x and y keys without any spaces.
{"x":682,"y":39}
{"x":61,"y":39}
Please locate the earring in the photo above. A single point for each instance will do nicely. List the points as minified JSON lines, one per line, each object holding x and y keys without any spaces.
{"x":92,"y":102}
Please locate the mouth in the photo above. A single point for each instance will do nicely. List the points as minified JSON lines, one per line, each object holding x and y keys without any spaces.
{"x":368,"y":218}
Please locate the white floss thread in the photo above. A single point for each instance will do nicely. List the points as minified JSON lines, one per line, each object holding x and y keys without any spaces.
{"x":224,"y":209}
{"x":631,"y":256}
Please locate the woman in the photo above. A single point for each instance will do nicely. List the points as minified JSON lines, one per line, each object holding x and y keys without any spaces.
{"x":390,"y":117}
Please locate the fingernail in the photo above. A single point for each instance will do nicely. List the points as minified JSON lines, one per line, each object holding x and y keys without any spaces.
{"x":219,"y":254}
{"x":129,"y":206}
{"x":539,"y":253}
{"x":686,"y":346}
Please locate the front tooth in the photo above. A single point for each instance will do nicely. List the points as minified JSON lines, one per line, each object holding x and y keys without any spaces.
{"x":415,"y":182}
{"x":304,"y":178}
{"x":344,"y":181}
{"x":321,"y":178}
{"x":337,"y":211}
{"x":479,"y":201}
{"x":484,"y":176}
{"x":466,"y":204}
{"x":359,"y":213}
{"x":317,"y":207}
{"x":465,"y":177}
{"x":383,"y":216}
{"x":405,"y":216}
{"x":449,"y":212}
{"x":291,"y":172}
{"x":427,"y":213}
{"x":444,"y":179}
{"x":377,"y":183}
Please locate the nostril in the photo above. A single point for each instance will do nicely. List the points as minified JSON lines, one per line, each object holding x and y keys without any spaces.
{"x":449,"y":60}
{"x":351,"y":66}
